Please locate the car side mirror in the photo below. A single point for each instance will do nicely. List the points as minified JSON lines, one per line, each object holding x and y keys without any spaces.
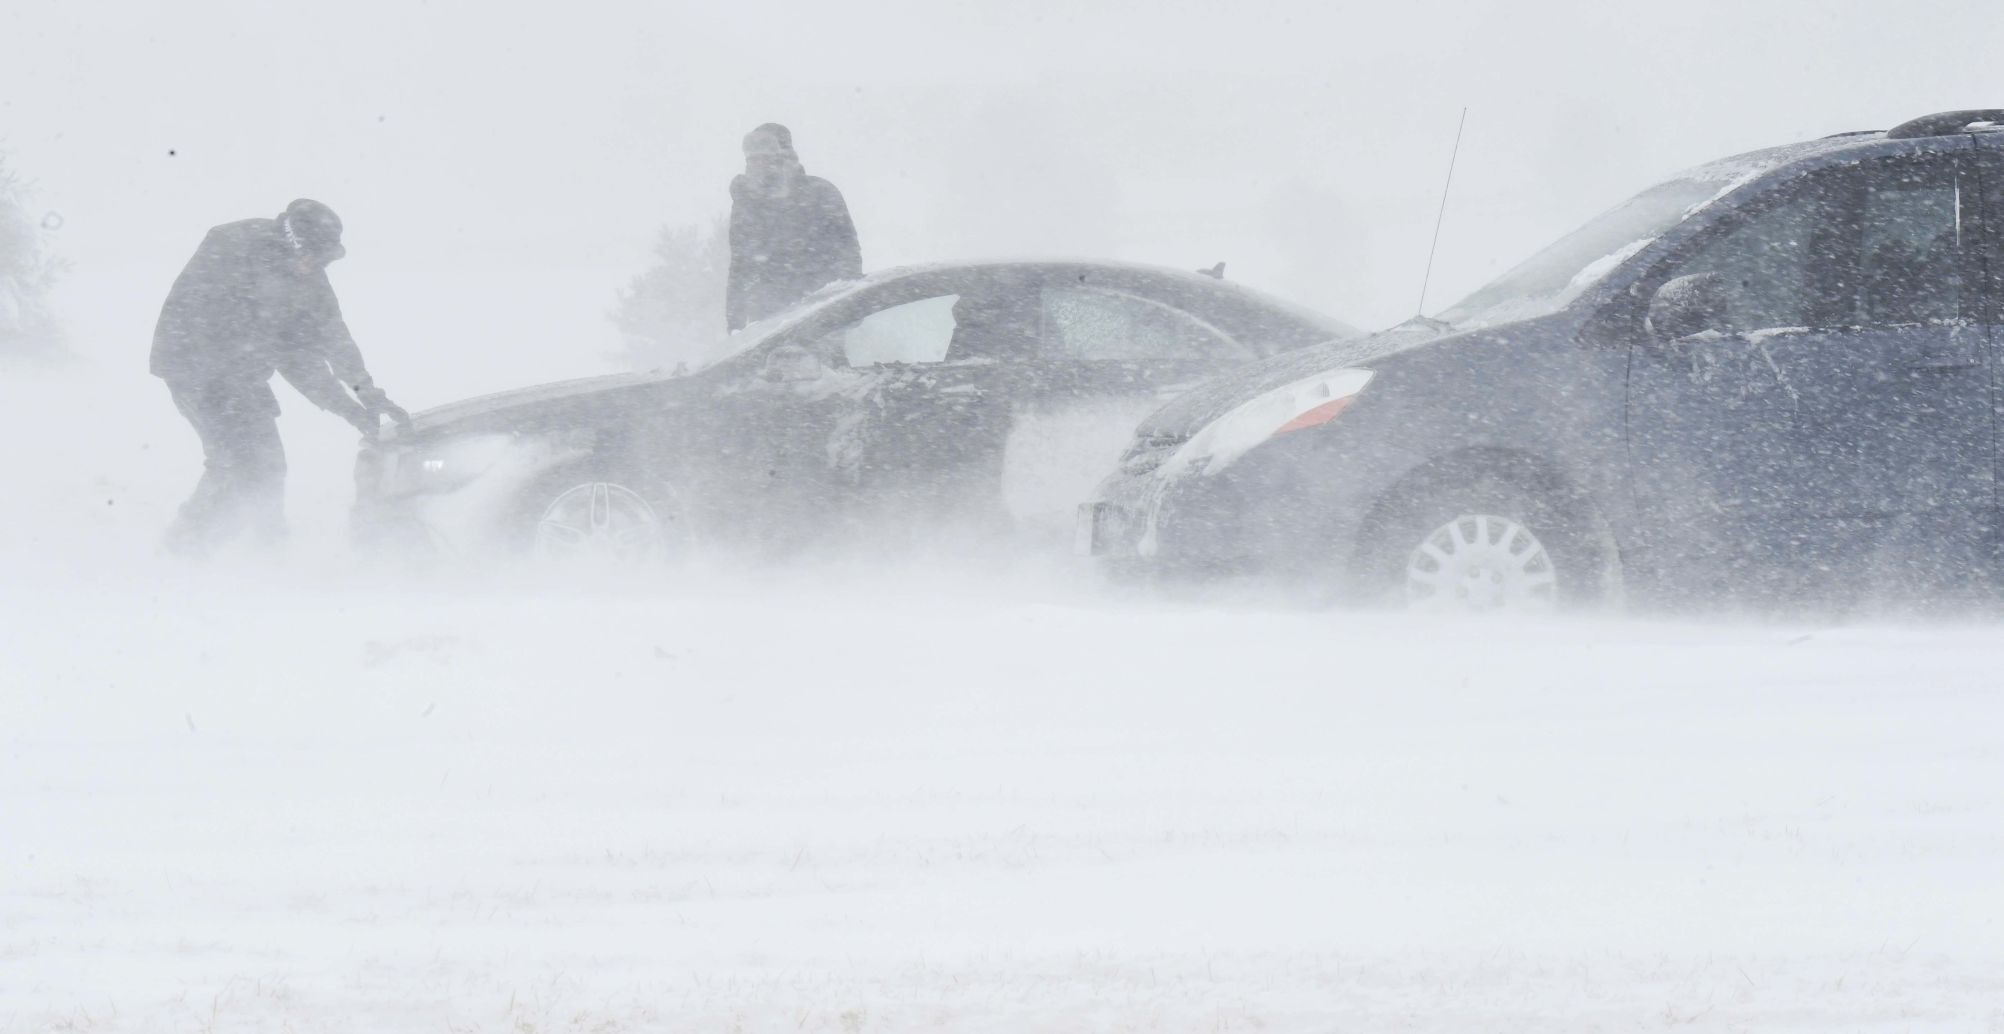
{"x":1691,"y":305}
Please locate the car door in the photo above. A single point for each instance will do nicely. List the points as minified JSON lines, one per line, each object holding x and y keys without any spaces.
{"x":887,"y":413}
{"x":1840,"y":434}
{"x":926,"y":433}
{"x":1110,"y":356}
{"x":1989,"y":149}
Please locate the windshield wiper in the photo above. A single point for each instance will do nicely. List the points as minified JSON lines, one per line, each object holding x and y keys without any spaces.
{"x":1420,"y":323}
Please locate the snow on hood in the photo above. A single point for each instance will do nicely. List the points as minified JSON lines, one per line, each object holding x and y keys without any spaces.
{"x":484,"y":405}
{"x":1212,"y":399}
{"x":730,"y":346}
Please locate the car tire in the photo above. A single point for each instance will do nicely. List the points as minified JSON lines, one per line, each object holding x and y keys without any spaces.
{"x":590,"y":520}
{"x":1484,"y":545}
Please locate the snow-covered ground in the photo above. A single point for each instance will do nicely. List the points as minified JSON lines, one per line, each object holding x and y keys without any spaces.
{"x":298,"y":794}
{"x":306,"y":797}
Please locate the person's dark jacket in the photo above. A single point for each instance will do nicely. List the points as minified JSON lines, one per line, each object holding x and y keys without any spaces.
{"x":243,"y":309}
{"x":784,"y":248}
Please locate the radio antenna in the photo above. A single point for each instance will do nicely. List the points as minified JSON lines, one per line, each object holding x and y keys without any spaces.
{"x":1441,"y":216}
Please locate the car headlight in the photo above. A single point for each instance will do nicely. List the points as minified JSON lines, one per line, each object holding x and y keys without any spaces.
{"x":1309,"y":402}
{"x":443,"y":466}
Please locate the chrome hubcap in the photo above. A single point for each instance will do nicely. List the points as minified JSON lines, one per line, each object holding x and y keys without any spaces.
{"x":599,"y":522}
{"x":1481,"y":563}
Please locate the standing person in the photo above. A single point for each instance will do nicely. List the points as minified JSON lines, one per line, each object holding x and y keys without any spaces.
{"x":255,"y":300}
{"x":790,"y":232}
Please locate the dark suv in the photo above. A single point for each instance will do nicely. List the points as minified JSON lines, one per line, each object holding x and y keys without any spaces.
{"x":1773,"y":377}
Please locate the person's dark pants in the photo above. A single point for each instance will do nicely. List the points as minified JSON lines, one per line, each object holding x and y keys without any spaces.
{"x":242,"y":490}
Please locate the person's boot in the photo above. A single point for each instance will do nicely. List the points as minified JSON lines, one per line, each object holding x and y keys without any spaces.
{"x":188,"y":537}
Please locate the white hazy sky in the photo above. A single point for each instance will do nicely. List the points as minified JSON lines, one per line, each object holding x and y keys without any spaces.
{"x":502,"y":167}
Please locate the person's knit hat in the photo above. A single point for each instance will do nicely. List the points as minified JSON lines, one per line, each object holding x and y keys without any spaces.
{"x":311,"y":228}
{"x":780,"y":134}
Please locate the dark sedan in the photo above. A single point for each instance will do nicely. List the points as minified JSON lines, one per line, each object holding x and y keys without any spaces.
{"x":1770,"y":379}
{"x":984,"y":396}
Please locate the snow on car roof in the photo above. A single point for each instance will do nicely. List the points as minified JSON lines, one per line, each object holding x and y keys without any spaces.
{"x":1735,"y":171}
{"x":1337,"y":328}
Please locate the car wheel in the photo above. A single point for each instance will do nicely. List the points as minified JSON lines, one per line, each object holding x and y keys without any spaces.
{"x":1485,"y":547}
{"x":590,"y":523}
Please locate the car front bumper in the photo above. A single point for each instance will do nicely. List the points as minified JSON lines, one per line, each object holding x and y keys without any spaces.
{"x":1106,"y":529}
{"x":404,"y":510}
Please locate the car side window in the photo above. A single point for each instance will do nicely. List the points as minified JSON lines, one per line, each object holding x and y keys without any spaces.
{"x":1877,"y":244}
{"x":1107,"y":326}
{"x":1772,"y":262}
{"x":1909,"y":259}
{"x":914,"y":332}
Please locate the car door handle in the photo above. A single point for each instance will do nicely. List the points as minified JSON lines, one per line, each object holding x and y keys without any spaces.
{"x":1961,"y":350}
{"x":1945,"y":361}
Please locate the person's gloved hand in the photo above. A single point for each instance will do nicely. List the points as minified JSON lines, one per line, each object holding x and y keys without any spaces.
{"x":377,"y":402}
{"x":365,"y":421}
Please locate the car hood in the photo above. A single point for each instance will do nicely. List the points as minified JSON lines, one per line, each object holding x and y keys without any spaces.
{"x":477,"y":411}
{"x":1211,"y":399}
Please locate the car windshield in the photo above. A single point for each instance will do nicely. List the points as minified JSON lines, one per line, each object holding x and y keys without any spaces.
{"x":724,"y":346}
{"x":1562,"y":272}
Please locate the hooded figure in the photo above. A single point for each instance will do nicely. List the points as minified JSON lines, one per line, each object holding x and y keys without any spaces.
{"x":254,"y":301}
{"x":790,"y":232}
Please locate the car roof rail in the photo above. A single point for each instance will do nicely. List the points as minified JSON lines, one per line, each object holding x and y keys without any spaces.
{"x":1947,"y":123}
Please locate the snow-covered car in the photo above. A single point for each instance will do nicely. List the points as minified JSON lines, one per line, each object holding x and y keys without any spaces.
{"x":1768,"y":379}
{"x":998,"y":393}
